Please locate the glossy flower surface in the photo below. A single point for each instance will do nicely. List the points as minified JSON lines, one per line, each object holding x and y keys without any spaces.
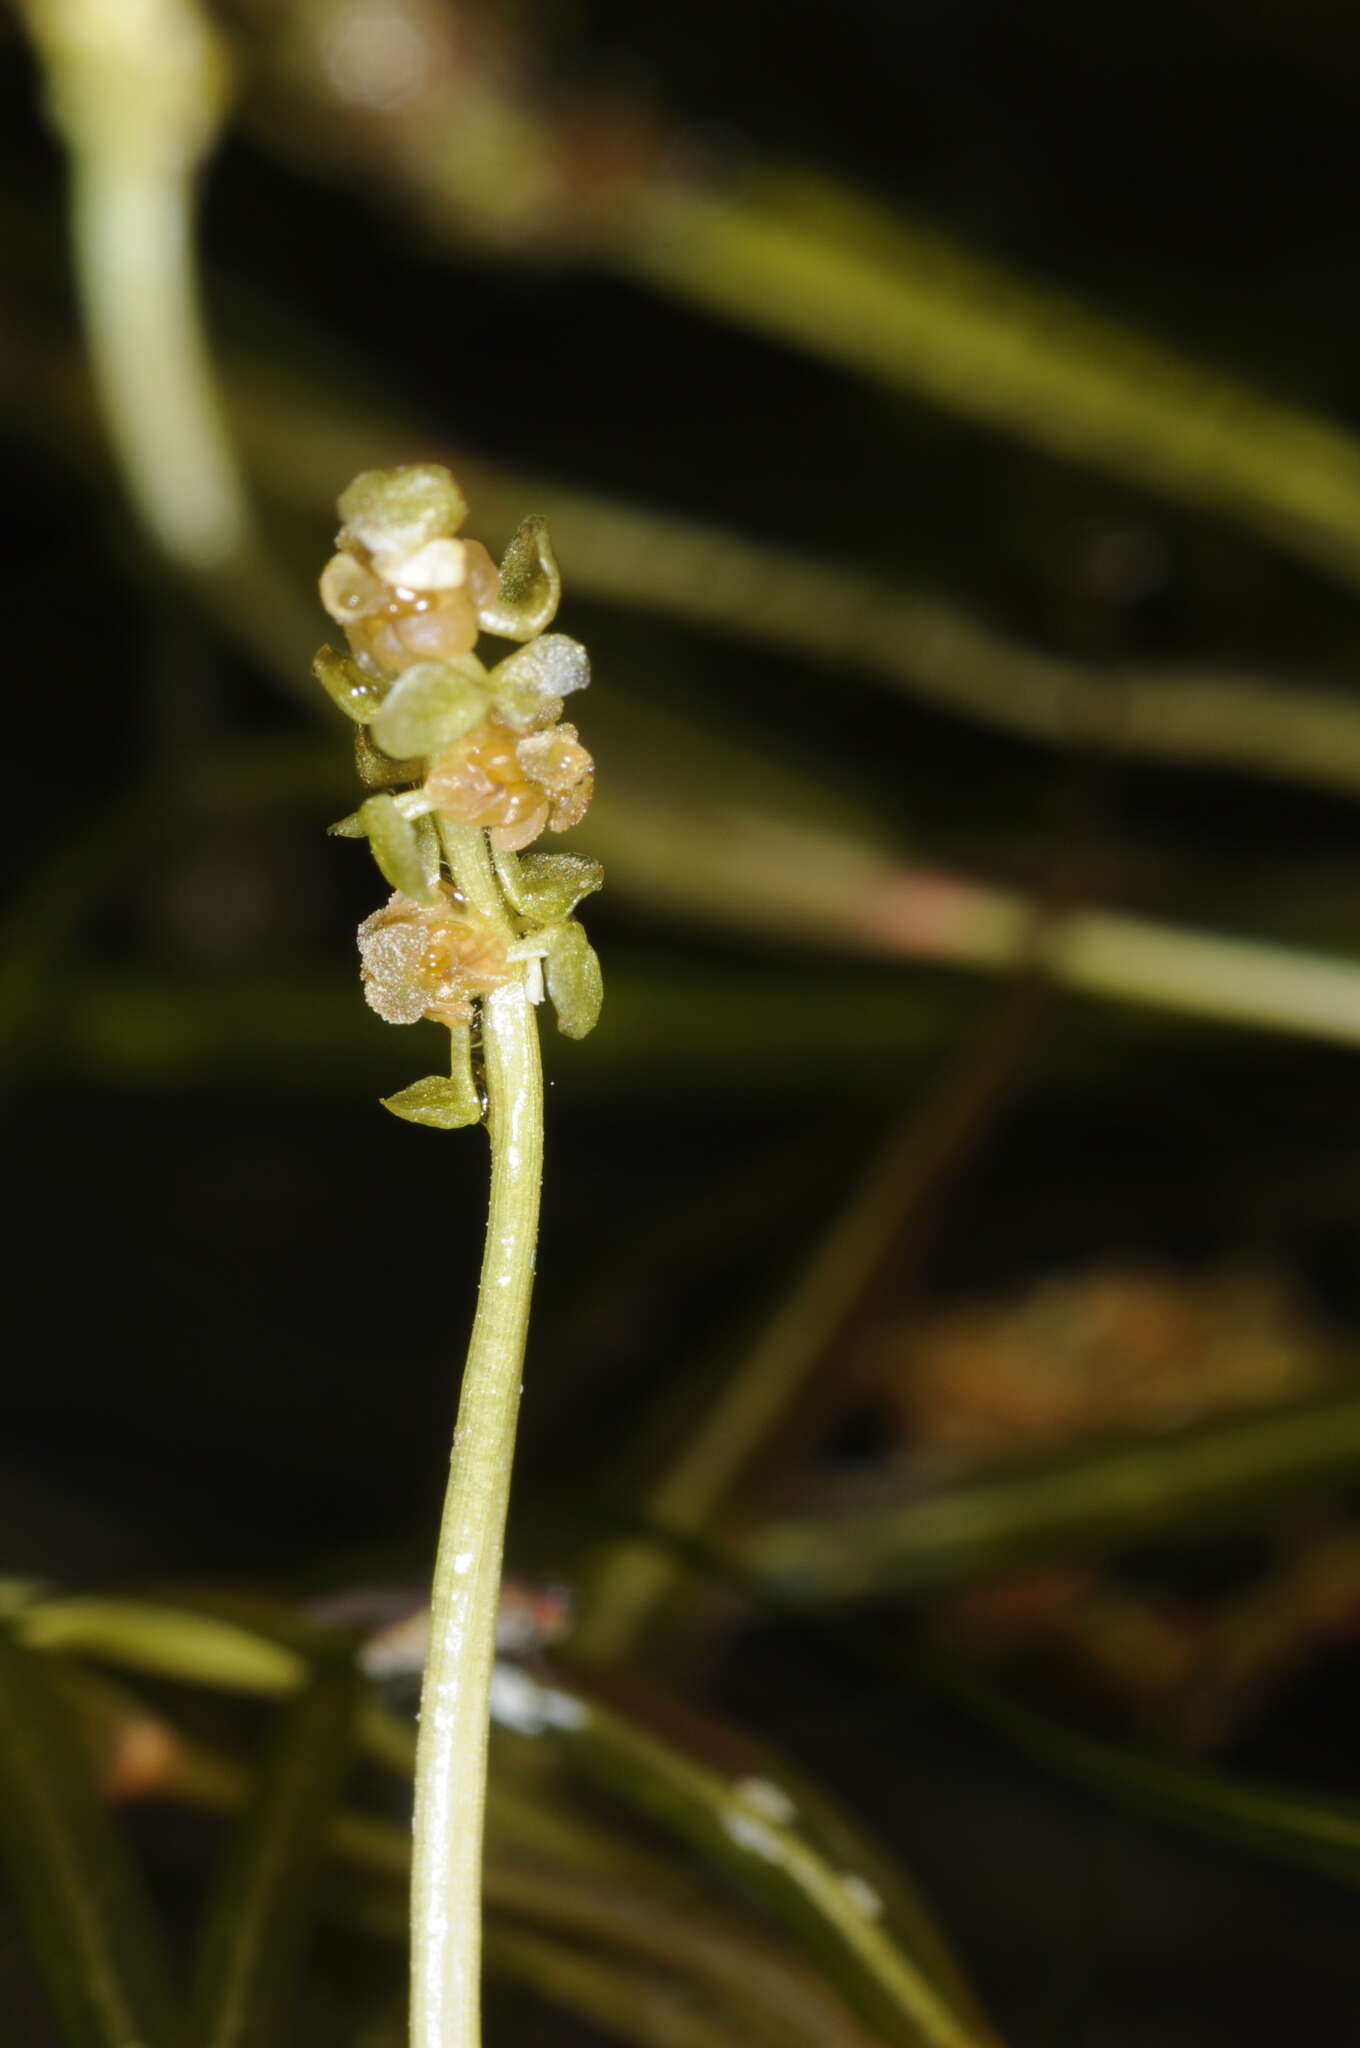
{"x":513,"y":784}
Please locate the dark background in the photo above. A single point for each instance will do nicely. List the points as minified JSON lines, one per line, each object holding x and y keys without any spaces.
{"x":239,"y":1292}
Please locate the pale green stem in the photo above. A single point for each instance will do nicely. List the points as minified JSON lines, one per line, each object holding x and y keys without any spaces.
{"x":451,"y":1755}
{"x":132,"y":227}
{"x":138,"y":93}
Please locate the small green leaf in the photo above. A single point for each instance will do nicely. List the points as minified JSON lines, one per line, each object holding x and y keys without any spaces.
{"x":571,"y":969}
{"x":530,"y":585}
{"x":446,"y":1102}
{"x":403,"y":852}
{"x":546,"y":887}
{"x":358,"y":696}
{"x":533,"y":680}
{"x":431,"y":705}
{"x":378,"y":770}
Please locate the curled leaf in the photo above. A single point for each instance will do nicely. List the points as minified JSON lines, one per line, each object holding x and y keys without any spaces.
{"x":546,"y":887}
{"x":406,"y":849}
{"x":358,"y":696}
{"x":571,"y":969}
{"x":431,"y":705}
{"x":531,"y":586}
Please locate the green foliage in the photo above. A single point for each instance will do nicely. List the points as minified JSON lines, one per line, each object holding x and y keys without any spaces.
{"x":71,"y":1874}
{"x":572,"y":972}
{"x":444,"y":1102}
{"x":430,"y":706}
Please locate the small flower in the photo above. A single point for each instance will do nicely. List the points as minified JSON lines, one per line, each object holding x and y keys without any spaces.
{"x":432,"y":614}
{"x":563,"y":770}
{"x":429,"y":960}
{"x":404,"y":588}
{"x":513,"y":784}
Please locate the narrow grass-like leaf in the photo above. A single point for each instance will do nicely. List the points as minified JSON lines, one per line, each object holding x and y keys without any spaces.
{"x":829,"y":272}
{"x":751,"y":1827}
{"x":633,"y":1909}
{"x":245,"y":1973}
{"x":87,"y":1921}
{"x":1303,"y":1828}
{"x":775,"y":1995}
{"x":629,"y":2004}
{"x":1223,"y":1472}
{"x":178,"y":1639}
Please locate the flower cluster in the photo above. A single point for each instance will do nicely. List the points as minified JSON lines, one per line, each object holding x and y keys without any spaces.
{"x":402,"y":586}
{"x":413,"y":598}
{"x":447,"y":744}
{"x":429,"y":959}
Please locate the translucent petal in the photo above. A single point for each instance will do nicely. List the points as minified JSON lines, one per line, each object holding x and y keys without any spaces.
{"x":433,"y":704}
{"x":571,"y":969}
{"x":350,"y":591}
{"x":530,"y":585}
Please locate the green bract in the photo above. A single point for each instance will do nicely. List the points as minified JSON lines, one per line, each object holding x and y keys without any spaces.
{"x":406,"y":849}
{"x":432,"y":704}
{"x":571,"y":969}
{"x":378,"y":770}
{"x":546,"y":887}
{"x":345,"y":683}
{"x":443,"y":1101}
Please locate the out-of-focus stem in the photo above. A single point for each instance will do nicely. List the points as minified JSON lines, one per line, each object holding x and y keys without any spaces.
{"x":1130,"y":959}
{"x":132,"y":232}
{"x":827,"y":271}
{"x":137,"y":88}
{"x":1075,"y":1504}
{"x":735,"y":1431}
